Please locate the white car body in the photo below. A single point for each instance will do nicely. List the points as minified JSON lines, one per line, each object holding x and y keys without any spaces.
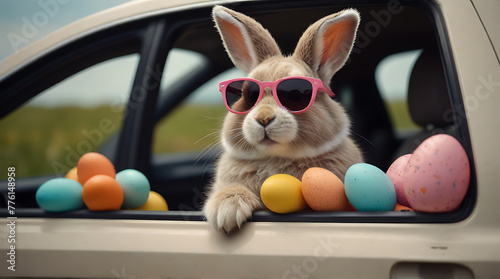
{"x":95,"y":248}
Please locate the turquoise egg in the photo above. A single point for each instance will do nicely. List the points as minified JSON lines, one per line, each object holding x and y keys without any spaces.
{"x":368,"y":188}
{"x":135,"y":187}
{"x":60,"y":195}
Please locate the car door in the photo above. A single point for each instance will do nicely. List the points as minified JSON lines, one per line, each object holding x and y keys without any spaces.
{"x":179,"y":243}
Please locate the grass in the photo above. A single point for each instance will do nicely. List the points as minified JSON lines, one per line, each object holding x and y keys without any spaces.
{"x":400,"y":116}
{"x":39,"y":141}
{"x":189,"y":128}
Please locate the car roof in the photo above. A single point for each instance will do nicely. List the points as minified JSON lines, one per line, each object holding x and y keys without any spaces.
{"x":109,"y":17}
{"x":285,"y":34}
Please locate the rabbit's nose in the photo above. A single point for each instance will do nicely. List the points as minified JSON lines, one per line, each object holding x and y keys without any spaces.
{"x":266,"y":121}
{"x":264,"y":114}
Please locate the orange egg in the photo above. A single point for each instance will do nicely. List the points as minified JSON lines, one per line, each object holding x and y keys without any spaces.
{"x":91,"y":164}
{"x":402,"y":208}
{"x":101,"y":193}
{"x":350,"y":207}
{"x":72,"y":174}
{"x":323,"y":190}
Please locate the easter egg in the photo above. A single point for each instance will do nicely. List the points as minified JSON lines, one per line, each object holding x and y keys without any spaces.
{"x":350,"y":207}
{"x":436,"y":177}
{"x":323,"y":190}
{"x":135,"y":187}
{"x":282,"y":193}
{"x":155,"y":201}
{"x":402,"y":208}
{"x":59,"y":195}
{"x":101,"y":193}
{"x":91,"y":164}
{"x":368,"y":188}
{"x":395,"y":173}
{"x":72,"y":174}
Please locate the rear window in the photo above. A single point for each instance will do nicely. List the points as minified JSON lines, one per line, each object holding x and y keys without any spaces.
{"x":392,"y":76}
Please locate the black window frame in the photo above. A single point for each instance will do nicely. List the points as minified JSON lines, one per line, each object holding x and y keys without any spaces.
{"x":53,"y":66}
{"x":134,"y":146}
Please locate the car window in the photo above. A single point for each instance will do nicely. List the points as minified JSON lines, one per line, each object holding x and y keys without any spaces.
{"x":392,"y":76}
{"x":194,"y":124}
{"x":187,"y":121}
{"x":179,"y":63}
{"x":49,"y":133}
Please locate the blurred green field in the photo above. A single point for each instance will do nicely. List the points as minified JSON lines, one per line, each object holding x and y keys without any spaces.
{"x":40,"y":141}
{"x":192,"y":127}
{"x":400,"y":116}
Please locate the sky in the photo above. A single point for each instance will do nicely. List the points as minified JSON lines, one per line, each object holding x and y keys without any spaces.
{"x":24,"y":21}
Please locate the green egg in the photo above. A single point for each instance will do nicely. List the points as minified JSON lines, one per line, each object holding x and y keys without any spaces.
{"x":60,"y":195}
{"x":368,"y":188}
{"x":135,"y":187}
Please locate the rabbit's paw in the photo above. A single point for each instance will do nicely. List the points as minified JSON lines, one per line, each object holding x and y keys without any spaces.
{"x":229,"y":208}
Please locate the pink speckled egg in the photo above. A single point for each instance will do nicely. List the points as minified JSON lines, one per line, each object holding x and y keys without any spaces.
{"x":436,"y":177}
{"x":395,"y":173}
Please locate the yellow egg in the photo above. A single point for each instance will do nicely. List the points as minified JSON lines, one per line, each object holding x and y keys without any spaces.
{"x":282,"y":193}
{"x":72,"y":174}
{"x":155,"y":202}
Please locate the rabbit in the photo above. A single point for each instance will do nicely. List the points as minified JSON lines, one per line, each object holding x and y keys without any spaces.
{"x":269,"y":139}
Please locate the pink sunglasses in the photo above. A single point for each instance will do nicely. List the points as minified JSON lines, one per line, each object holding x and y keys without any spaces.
{"x":295,"y":94}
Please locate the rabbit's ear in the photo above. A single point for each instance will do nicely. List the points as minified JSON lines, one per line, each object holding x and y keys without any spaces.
{"x":245,"y":40}
{"x":326,"y":44}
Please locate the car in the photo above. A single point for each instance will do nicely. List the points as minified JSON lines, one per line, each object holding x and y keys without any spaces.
{"x":137,"y":83}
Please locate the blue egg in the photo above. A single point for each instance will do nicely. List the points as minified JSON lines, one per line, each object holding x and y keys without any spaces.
{"x":135,"y":187}
{"x":60,"y":195}
{"x":368,"y":188}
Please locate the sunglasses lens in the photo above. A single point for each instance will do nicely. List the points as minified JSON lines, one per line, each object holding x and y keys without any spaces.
{"x":295,"y":94}
{"x":242,"y":95}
